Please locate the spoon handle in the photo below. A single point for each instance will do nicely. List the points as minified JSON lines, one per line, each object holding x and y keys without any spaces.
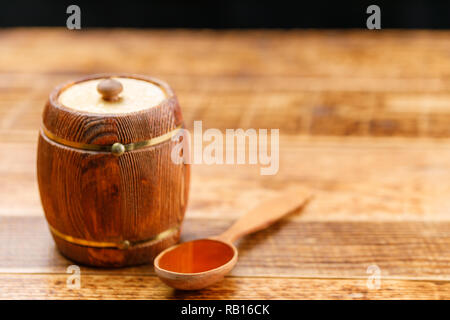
{"x":266,"y":214}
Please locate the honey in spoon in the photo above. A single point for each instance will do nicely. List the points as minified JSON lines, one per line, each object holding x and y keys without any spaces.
{"x":196,"y":256}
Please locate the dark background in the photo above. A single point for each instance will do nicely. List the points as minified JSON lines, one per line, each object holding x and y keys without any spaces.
{"x":228,"y":14}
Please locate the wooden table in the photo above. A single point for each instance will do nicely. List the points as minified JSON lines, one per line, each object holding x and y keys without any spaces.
{"x":364,"y":121}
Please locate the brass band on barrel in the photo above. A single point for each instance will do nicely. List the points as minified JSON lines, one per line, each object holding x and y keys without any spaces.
{"x":125,"y":244}
{"x":116,"y":148}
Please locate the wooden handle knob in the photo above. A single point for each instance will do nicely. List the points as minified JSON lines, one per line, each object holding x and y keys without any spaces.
{"x":110,"y":89}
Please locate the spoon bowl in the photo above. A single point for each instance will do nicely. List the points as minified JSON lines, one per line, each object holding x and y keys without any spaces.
{"x":218,"y":257}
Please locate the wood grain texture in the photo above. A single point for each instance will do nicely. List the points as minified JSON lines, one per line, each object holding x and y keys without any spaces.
{"x":99,"y":197}
{"x":399,"y":181}
{"x":364,"y":123}
{"x":107,"y":129}
{"x":402,"y":250}
{"x":320,"y":106}
{"x":42,"y":286}
{"x":388,"y":54}
{"x":266,"y":213}
{"x":310,"y":82}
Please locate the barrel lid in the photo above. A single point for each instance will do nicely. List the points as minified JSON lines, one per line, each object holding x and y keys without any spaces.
{"x":112,"y":95}
{"x":106,"y":109}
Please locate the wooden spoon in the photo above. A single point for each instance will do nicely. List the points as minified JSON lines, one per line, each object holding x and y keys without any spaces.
{"x":197,"y":264}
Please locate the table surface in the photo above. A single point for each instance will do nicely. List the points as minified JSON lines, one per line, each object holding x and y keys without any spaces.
{"x":364,"y":121}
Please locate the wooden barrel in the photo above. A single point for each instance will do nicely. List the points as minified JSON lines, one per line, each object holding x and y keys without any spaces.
{"x":111,"y":192}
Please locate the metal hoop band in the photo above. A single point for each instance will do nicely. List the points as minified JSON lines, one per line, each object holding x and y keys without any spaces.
{"x":110,"y":148}
{"x":125,"y":244}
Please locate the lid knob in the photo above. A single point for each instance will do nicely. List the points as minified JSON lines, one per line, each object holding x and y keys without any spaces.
{"x":117,"y":149}
{"x":110,"y":89}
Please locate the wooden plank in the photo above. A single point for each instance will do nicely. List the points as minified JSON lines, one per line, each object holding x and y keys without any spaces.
{"x":42,"y":286}
{"x":337,"y":107}
{"x":353,"y":180}
{"x":362,"y":93}
{"x":422,"y":54}
{"x":403,"y":250}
